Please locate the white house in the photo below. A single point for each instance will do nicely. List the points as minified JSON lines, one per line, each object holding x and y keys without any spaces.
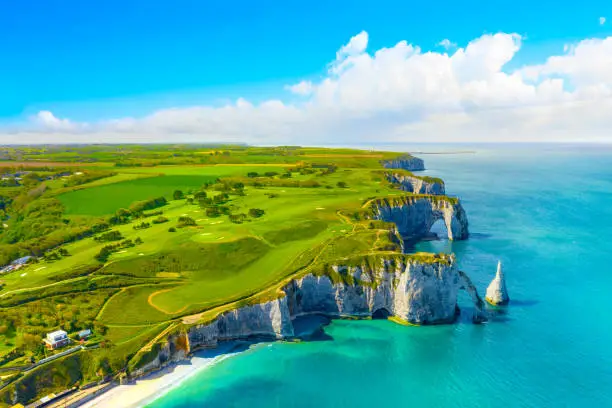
{"x":57,"y":339}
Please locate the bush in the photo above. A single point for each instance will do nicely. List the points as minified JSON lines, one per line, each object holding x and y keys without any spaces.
{"x":341,"y":184}
{"x":160,"y":220}
{"x":270,"y":174}
{"x":212,"y":212}
{"x":178,"y":195}
{"x":237,"y":218}
{"x":142,"y":225}
{"x":252,"y":174}
{"x":184,"y":221}
{"x":140,"y":206}
{"x":171,"y":229}
{"x":199,"y":195}
{"x":256,"y":212}
{"x":109,"y":236}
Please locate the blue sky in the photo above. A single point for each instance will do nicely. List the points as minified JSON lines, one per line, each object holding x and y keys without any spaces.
{"x":129,"y":57}
{"x":223,"y":71}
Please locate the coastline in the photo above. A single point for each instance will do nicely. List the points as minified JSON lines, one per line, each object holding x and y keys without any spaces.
{"x":152,"y":386}
{"x":155,"y":385}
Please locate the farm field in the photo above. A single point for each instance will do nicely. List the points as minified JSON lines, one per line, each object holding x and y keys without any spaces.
{"x":106,"y":199}
{"x":224,"y":234}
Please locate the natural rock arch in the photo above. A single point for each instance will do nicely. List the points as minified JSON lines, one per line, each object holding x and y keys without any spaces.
{"x":415,"y":215}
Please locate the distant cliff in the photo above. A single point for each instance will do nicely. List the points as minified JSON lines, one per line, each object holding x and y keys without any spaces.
{"x":419,"y":289}
{"x":405,"y":162}
{"x":409,"y":182}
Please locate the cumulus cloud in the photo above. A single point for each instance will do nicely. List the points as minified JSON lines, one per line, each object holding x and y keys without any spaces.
{"x":48,"y":121}
{"x":398,"y":93}
{"x":301,"y":88}
{"x":446,"y":43}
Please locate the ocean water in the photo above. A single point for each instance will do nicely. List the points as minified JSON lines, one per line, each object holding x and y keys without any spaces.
{"x":546,"y":212}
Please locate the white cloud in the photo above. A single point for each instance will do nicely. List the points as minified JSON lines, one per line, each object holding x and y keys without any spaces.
{"x":301,"y":88}
{"x":48,"y":121}
{"x":602,"y":20}
{"x":447,"y":44}
{"x":399,"y":93}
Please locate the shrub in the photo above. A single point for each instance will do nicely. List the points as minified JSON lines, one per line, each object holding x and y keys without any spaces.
{"x":199,"y":195}
{"x":256,"y":212}
{"x":140,"y":206}
{"x":212,"y":212}
{"x":237,"y":218}
{"x":178,"y":195}
{"x":109,"y":236}
{"x":341,"y":184}
{"x":171,"y":229}
{"x":160,"y":220}
{"x":252,"y":174}
{"x":184,"y":221}
{"x":142,"y":225}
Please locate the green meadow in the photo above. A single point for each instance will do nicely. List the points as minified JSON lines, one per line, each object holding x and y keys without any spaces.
{"x":106,"y":199}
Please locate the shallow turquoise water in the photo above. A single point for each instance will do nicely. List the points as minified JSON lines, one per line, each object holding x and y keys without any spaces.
{"x":546,"y":212}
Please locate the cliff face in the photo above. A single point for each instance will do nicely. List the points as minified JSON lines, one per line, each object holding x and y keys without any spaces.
{"x":271,"y":320}
{"x":414,"y":216}
{"x":416,"y":185}
{"x":407,"y":162}
{"x":418,"y":292}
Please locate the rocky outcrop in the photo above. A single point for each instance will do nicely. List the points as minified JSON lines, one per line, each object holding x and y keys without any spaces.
{"x":416,"y":184}
{"x":417,"y":292}
{"x":415,"y":215}
{"x":268,"y":320}
{"x":497,"y":294}
{"x":405,"y":162}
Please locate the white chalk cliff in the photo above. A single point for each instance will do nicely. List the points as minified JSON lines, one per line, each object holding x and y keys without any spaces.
{"x":414,"y":216}
{"x":497,"y":294}
{"x":415,"y":291}
{"x":416,"y":184}
{"x":405,"y":162}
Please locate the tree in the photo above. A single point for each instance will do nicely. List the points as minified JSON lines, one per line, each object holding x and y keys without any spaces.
{"x":256,"y":212}
{"x":185,"y":221}
{"x":199,"y":195}
{"x":178,"y":195}
{"x":212,"y":212}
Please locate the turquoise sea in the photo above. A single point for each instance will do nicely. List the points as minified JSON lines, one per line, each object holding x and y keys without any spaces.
{"x":546,"y":212}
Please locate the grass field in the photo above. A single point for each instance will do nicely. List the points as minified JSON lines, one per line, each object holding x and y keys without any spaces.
{"x":186,"y":273}
{"x":107,"y":198}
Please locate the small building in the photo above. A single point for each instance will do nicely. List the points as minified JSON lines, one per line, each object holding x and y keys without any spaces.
{"x":84,"y":334}
{"x":21,"y":261}
{"x":56,"y":339}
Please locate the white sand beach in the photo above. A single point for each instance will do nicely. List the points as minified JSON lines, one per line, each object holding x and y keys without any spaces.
{"x":148,"y":388}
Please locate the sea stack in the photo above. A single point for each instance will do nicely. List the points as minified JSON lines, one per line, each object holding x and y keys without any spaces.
{"x":497,"y":294}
